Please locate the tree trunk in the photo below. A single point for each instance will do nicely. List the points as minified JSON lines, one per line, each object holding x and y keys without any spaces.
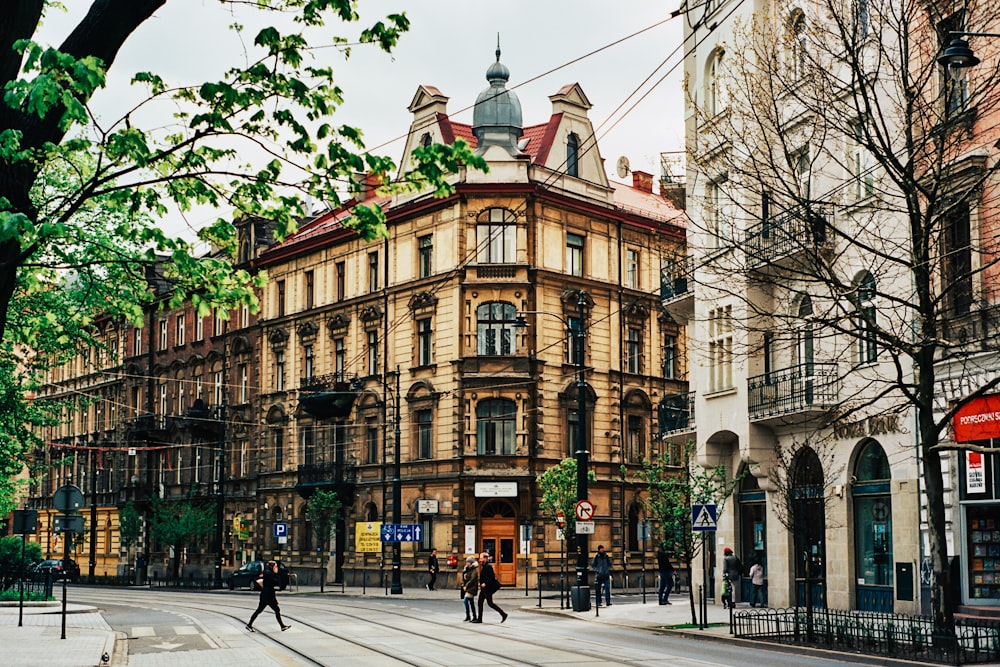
{"x":941,"y":600}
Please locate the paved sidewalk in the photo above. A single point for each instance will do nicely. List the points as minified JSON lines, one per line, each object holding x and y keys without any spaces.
{"x":38,"y":641}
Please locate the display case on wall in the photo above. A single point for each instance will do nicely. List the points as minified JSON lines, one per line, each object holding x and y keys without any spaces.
{"x":984,"y":552}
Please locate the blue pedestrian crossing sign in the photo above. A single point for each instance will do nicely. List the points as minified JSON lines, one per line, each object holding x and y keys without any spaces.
{"x":402,"y":532}
{"x":703,"y":517}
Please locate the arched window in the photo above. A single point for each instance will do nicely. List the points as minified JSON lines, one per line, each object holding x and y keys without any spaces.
{"x":495,"y":328}
{"x":495,"y":427}
{"x":425,"y":140}
{"x":496,"y":236}
{"x":873,"y":529}
{"x":865,"y":323}
{"x":572,"y":157}
{"x":798,"y":57}
{"x":715,"y":97}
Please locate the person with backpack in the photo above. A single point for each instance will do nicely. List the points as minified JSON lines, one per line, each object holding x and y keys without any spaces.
{"x":665,"y":569}
{"x":602,"y":574}
{"x":488,"y":585}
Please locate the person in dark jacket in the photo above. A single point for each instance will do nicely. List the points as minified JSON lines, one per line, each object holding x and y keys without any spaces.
{"x":666,"y":571}
{"x":268,"y":582}
{"x":732,"y":568}
{"x":601,"y":565}
{"x":469,"y":585}
{"x":488,"y":585}
{"x":432,"y":568}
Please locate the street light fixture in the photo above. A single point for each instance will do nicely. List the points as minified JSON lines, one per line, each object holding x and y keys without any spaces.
{"x":958,"y":54}
{"x":580,"y":595}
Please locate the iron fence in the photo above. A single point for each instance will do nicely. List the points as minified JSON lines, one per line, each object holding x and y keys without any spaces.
{"x":974,"y":640}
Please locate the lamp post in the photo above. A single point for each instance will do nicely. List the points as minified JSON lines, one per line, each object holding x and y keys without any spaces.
{"x":580,"y":596}
{"x":396,"y":586}
{"x":958,"y":54}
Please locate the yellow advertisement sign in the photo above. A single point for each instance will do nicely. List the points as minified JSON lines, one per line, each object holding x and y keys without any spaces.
{"x":367,"y":537}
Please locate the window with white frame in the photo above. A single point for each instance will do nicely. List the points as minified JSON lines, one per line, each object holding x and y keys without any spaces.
{"x":220,"y":323}
{"x":496,"y":237}
{"x":718,"y":214}
{"x":309,"y":361}
{"x":371,"y":441}
{"x":632,"y":268}
{"x":861,"y":163}
{"x":199,"y":327}
{"x":244,"y":374}
{"x":180,"y":329}
{"x":136,"y":342}
{"x":425,"y":258}
{"x":425,"y":341}
{"x":373,"y":353}
{"x":635,"y":443}
{"x":574,"y":254}
{"x":219,"y":388}
{"x":633,"y":350}
{"x":373,"y":271}
{"x":802,"y":168}
{"x":669,"y":356}
{"x":425,"y":434}
{"x":798,"y":53}
{"x":866,"y":340}
{"x":164,"y":405}
{"x":715,"y":97}
{"x":720,"y":348}
{"x":279,"y":370}
{"x":163,"y":334}
{"x":339,"y":357}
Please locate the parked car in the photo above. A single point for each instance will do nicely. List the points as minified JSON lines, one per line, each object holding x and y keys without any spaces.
{"x":246,"y":576}
{"x":57,"y":568}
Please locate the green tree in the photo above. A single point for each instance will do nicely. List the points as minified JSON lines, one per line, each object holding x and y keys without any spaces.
{"x":558,"y":485}
{"x":673,"y":484}
{"x":129,"y":526}
{"x":10,"y":559}
{"x":324,"y":510}
{"x":178,"y":524}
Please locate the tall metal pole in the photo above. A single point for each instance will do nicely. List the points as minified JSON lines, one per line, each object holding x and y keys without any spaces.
{"x":581,"y":454}
{"x":397,"y":507}
{"x":220,"y":510}
{"x":92,"y":565}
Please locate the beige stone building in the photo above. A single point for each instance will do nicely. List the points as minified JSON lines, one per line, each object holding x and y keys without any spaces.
{"x":415,"y":339}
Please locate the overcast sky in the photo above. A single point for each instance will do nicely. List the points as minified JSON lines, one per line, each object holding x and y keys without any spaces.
{"x":450,"y":45}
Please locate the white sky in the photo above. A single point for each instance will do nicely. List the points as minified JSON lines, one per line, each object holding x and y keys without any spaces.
{"x":450,"y":45}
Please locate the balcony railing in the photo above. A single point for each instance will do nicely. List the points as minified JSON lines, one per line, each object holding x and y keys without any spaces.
{"x":676,"y":278}
{"x":496,"y":271}
{"x":802,"y":388}
{"x":676,"y":413}
{"x":784,"y":237}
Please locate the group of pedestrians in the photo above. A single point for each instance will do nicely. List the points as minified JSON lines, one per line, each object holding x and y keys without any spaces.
{"x":479,"y":580}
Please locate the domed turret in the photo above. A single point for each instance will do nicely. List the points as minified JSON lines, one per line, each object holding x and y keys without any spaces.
{"x":496,"y":119}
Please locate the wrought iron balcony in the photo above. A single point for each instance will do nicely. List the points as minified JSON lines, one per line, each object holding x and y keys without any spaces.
{"x":148,"y":425}
{"x":794,"y":394}
{"x":676,"y":413}
{"x":789,"y":240}
{"x":677,"y":288}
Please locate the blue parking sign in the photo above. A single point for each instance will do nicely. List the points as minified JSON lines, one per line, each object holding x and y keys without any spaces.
{"x":280,"y":529}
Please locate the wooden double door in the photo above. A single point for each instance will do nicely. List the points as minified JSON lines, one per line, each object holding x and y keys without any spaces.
{"x":499,"y":539}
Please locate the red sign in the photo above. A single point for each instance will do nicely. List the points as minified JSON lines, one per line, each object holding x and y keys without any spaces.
{"x":979,"y":419}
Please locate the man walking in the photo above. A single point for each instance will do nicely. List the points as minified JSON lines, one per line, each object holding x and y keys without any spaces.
{"x":601,"y":566}
{"x":666,"y":571}
{"x":488,"y":585}
{"x":432,"y":568}
{"x":268,"y":582}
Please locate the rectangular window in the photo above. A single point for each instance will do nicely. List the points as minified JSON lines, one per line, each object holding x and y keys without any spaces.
{"x":425,"y":442}
{"x":244,"y":384}
{"x":219,"y":324}
{"x":341,"y":280}
{"x":373,"y":271}
{"x":670,"y":357}
{"x":310,"y":289}
{"x":199,"y":327}
{"x":371,"y":442}
{"x":574,"y":255}
{"x":632,"y":269}
{"x":279,"y":287}
{"x":180,"y":330}
{"x":307,"y":436}
{"x":957,"y":234}
{"x":803,"y":172}
{"x":137,"y":342}
{"x":425,"y":246}
{"x":635,"y":444}
{"x":339,"y":357}
{"x":572,"y":431}
{"x":424,"y":342}
{"x":308,"y":363}
{"x":633,"y":350}
{"x":720,"y":348}
{"x":164,"y":406}
{"x":861,"y":164}
{"x":163,"y":334}
{"x":373,"y":353}
{"x":575,"y":343}
{"x":279,"y":371}
{"x":244,"y":316}
{"x":279,"y":449}
{"x":219,"y":388}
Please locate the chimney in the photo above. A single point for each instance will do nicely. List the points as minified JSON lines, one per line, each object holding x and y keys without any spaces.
{"x":364,"y":185}
{"x":642,"y":181}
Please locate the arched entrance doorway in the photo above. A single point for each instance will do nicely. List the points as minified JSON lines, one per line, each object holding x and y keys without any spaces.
{"x":808,"y":509}
{"x":753,"y":530}
{"x":873,"y":530}
{"x":498,"y":527}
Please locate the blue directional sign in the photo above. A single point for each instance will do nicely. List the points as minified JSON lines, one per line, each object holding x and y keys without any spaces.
{"x":280,"y":529}
{"x":402,"y":532}
{"x":703,"y":517}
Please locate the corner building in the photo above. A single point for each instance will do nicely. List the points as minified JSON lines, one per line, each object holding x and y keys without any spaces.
{"x":415,"y":336}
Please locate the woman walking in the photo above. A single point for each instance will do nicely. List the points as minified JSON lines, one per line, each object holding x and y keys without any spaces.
{"x":469,"y":585}
{"x":268,"y":581}
{"x":488,"y":585}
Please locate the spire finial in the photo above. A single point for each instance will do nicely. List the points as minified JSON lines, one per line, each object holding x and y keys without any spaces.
{"x":498,"y":47}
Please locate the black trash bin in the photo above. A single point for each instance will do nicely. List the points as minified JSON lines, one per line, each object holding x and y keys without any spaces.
{"x":140,"y":570}
{"x":580,"y":598}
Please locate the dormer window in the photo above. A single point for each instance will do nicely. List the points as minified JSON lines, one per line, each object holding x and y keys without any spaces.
{"x":572,"y":155}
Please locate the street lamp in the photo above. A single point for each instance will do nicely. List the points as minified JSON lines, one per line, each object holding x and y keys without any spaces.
{"x":580,"y":595}
{"x":958,"y":54}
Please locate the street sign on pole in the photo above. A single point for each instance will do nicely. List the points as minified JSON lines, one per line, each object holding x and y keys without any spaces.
{"x":402,"y":532}
{"x":584,"y":527}
{"x":703,"y":517}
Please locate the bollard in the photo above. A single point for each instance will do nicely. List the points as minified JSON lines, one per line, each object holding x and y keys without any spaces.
{"x":539,"y":591}
{"x":701,"y":607}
